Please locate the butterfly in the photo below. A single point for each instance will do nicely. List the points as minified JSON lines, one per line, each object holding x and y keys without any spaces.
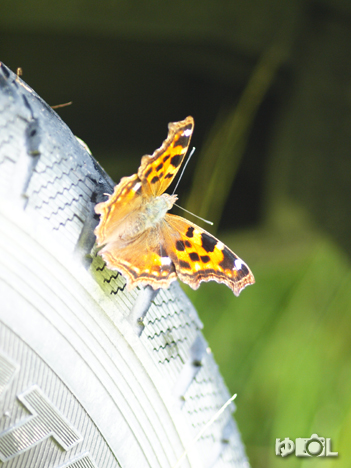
{"x":138,"y":237}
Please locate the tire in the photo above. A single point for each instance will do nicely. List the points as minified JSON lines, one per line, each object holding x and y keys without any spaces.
{"x":90,"y":375}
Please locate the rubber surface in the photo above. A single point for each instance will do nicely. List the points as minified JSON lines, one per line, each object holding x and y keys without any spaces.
{"x":90,"y":375}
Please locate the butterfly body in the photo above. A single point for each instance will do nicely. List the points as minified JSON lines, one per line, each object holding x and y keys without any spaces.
{"x":157,"y":207}
{"x":148,"y":245}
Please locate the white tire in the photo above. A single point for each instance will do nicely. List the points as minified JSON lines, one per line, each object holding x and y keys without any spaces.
{"x":90,"y":375}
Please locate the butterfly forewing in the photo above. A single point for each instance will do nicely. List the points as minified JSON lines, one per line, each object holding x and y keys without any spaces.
{"x":125,"y":200}
{"x":158,"y":170}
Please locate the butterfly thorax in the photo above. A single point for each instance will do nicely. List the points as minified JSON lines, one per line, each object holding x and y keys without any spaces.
{"x":157,"y":207}
{"x":149,"y":215}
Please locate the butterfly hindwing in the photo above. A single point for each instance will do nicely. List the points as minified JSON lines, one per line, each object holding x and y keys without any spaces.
{"x":126,"y":199}
{"x":153,"y":265}
{"x":198,"y":256}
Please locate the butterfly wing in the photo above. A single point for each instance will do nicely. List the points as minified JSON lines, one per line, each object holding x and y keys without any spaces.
{"x":198,"y":256}
{"x":143,"y":261}
{"x":157,"y":171}
{"x":155,"y":174}
{"x":126,"y":199}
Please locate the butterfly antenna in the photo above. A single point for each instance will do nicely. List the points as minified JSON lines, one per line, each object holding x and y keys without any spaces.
{"x":181,"y":174}
{"x":175,"y":188}
{"x":196,"y":216}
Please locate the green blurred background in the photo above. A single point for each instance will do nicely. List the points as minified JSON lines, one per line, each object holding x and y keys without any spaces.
{"x":269,"y":85}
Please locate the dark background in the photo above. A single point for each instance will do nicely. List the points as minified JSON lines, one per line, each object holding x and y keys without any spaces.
{"x":269,"y":86}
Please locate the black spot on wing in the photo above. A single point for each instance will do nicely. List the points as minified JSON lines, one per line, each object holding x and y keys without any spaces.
{"x":169,"y":176}
{"x":159,"y":167}
{"x":180,"y":246}
{"x":176,"y":160}
{"x":190,"y":232}
{"x":208,"y":242}
{"x":185,"y":265}
{"x":205,"y":258}
{"x":187,"y":243}
{"x":155,"y":179}
{"x":228,"y":259}
{"x":166,"y":158}
{"x":194,"y":257}
{"x":148,"y":172}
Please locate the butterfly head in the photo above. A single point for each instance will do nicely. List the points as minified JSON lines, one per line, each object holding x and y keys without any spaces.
{"x":170,"y":200}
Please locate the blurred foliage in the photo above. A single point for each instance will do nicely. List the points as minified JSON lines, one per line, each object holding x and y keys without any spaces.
{"x":226,"y":143}
{"x":284,"y":345}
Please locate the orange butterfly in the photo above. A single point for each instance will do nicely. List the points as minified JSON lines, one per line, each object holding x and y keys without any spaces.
{"x":149,"y":246}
